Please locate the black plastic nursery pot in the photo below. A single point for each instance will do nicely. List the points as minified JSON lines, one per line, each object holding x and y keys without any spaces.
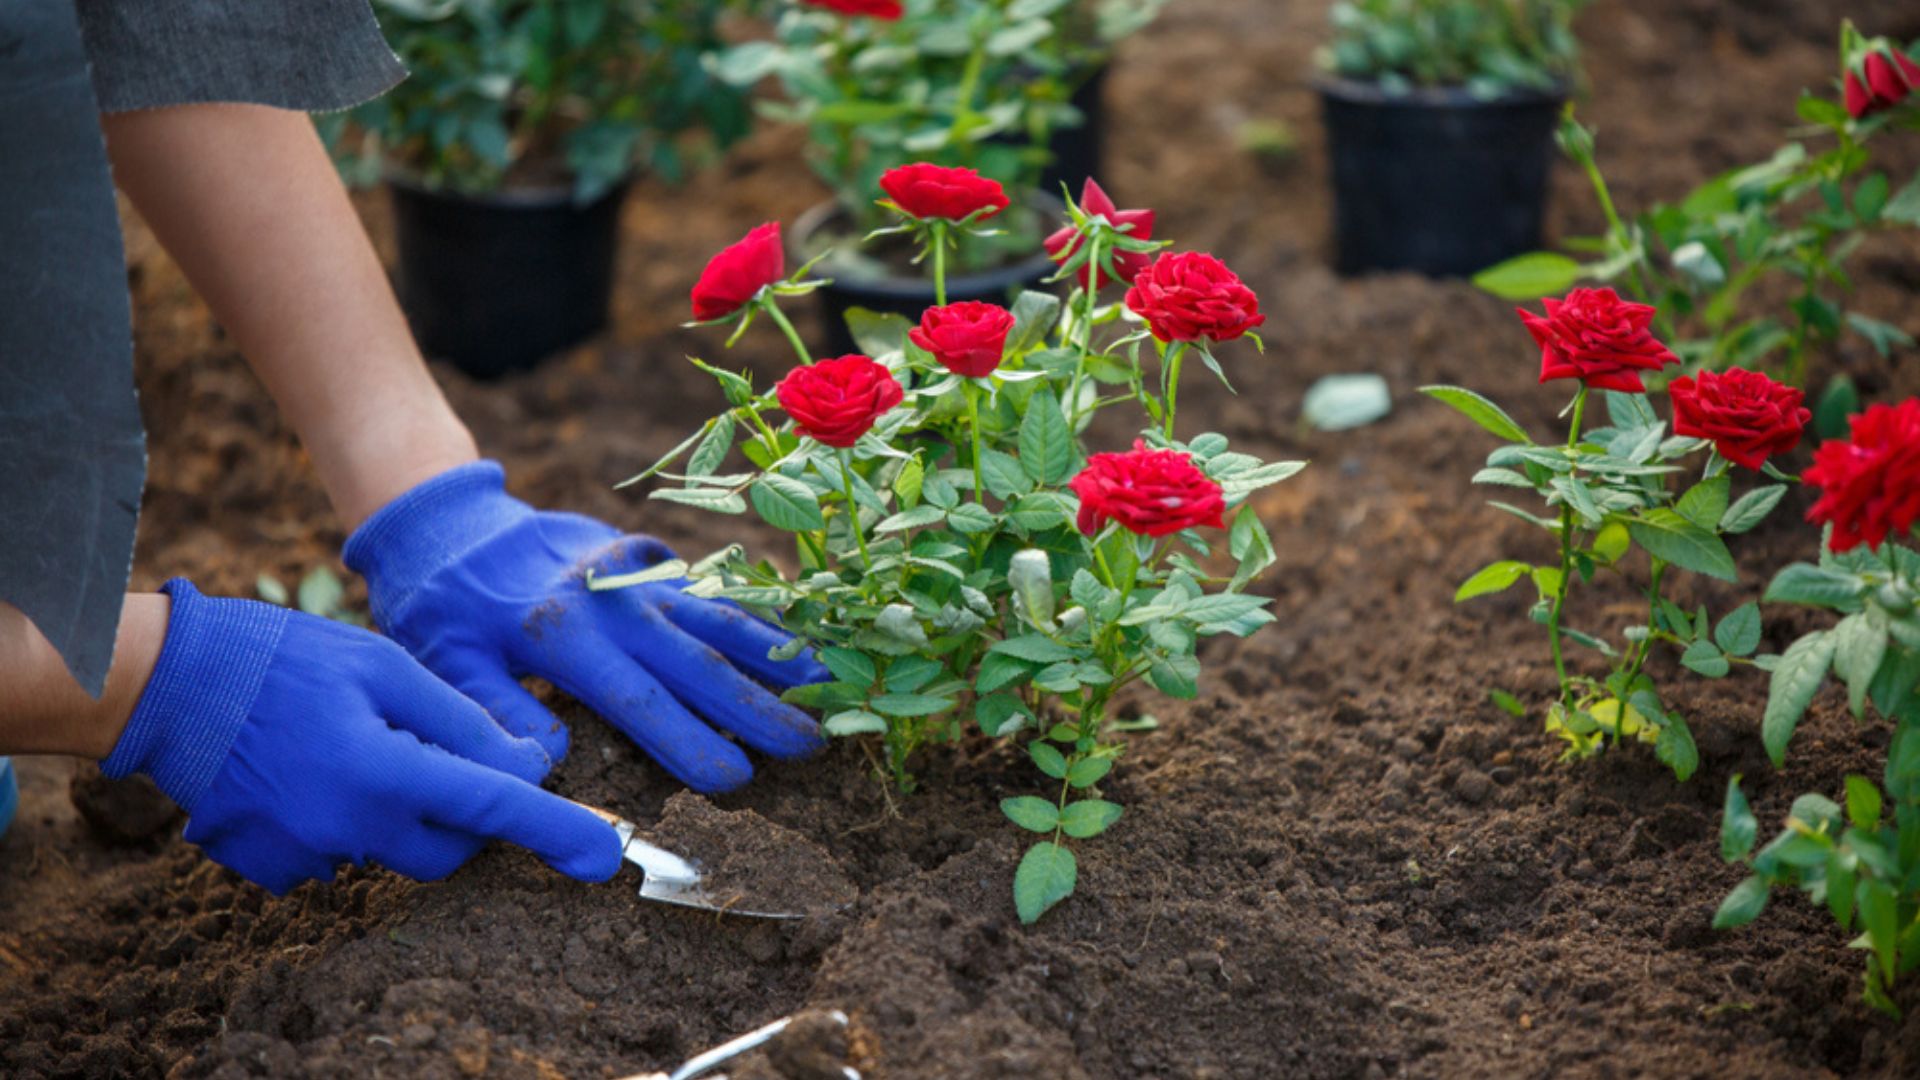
{"x":1079,"y":152}
{"x":867,"y":286}
{"x":1437,"y":181}
{"x":495,"y":283}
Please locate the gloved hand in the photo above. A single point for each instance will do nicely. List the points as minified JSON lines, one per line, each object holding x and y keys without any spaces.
{"x":295,"y":744}
{"x":483,"y":589}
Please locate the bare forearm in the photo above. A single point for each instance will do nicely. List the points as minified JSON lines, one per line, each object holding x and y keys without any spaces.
{"x":244,"y":198}
{"x":43,"y":711}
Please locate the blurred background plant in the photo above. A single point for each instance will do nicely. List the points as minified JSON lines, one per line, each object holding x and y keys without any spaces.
{"x":510,"y":93}
{"x":1488,"y":47}
{"x":983,"y":84}
{"x":1719,"y":262}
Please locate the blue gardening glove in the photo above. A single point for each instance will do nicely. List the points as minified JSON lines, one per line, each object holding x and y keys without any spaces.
{"x":483,"y":590}
{"x":296,"y":744}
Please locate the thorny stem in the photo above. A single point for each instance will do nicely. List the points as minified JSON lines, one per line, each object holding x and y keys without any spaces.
{"x":1645,"y":647}
{"x":940,"y":263}
{"x":1566,"y":562}
{"x":853,"y":508}
{"x":973,"y":423}
{"x":1175,"y":354}
{"x":793,"y":336}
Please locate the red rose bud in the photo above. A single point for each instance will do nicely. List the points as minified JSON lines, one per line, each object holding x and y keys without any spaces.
{"x":873,"y":9}
{"x":1598,"y":338}
{"x":1095,"y":203}
{"x":931,"y":192}
{"x":1193,"y":297}
{"x":1748,"y":416}
{"x":837,"y":401}
{"x":1884,"y":79}
{"x":968,"y":338}
{"x":1870,"y":483}
{"x":735,"y":276}
{"x":1149,"y":492}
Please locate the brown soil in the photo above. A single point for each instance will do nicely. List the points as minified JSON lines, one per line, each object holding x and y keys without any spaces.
{"x":1339,"y":862}
{"x":750,"y":864}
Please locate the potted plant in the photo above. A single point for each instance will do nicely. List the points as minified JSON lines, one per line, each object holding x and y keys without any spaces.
{"x":1440,"y":118}
{"x":510,"y":148}
{"x":1010,"y":90}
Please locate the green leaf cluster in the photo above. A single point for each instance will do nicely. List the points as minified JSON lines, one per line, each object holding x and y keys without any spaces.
{"x":1489,"y":49}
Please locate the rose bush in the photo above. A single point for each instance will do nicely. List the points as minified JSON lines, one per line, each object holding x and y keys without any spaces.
{"x":1861,"y":859}
{"x":1607,"y":491}
{"x":963,"y":565}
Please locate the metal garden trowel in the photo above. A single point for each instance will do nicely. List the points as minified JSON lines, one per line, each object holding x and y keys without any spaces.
{"x":672,"y":878}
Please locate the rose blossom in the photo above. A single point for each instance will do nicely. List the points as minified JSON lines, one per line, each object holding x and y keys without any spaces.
{"x":735,"y":276}
{"x":968,"y":338}
{"x":1885,"y":79}
{"x":1192,"y":296}
{"x":1149,"y":492}
{"x":876,"y":9}
{"x":1095,"y":203}
{"x":1598,"y":338}
{"x":837,"y":401}
{"x":1748,"y":416}
{"x":1870,"y":484}
{"x":936,"y":191}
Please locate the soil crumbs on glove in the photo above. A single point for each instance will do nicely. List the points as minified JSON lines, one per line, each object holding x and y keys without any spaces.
{"x":750,"y":863}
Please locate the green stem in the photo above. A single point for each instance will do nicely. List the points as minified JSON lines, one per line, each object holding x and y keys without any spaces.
{"x":813,"y":546}
{"x":1176,"y":353}
{"x":973,"y":424}
{"x":1639,"y":655}
{"x":940,"y":263}
{"x":1566,"y":564}
{"x":853,"y":508}
{"x":793,"y":336}
{"x":1086,"y":335}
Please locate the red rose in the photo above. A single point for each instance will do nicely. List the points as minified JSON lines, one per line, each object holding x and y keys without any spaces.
{"x":968,"y":338}
{"x":1870,"y":484}
{"x":1885,"y":79}
{"x":1748,"y":416}
{"x":735,"y":276}
{"x":1192,"y":297}
{"x":1149,"y":492}
{"x":837,"y":401}
{"x":1095,"y":203}
{"x":935,"y":191}
{"x":1598,"y":338}
{"x":877,"y":9}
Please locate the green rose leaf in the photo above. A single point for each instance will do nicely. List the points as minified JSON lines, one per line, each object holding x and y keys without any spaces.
{"x":1480,"y":410}
{"x":1803,"y":667}
{"x":1031,"y":813}
{"x":786,"y":503}
{"x":1668,"y":535}
{"x":1088,"y":818}
{"x":1046,"y":876}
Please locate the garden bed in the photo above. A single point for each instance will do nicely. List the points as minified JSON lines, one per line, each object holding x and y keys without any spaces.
{"x":1339,"y":861}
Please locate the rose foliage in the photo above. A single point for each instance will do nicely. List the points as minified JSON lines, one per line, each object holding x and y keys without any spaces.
{"x":964,"y":564}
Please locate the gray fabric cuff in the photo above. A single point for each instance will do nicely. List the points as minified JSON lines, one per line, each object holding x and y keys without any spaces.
{"x":309,"y":55}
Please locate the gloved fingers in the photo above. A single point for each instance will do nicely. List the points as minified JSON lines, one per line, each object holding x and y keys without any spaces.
{"x":701,"y":678}
{"x":626,"y":555}
{"x":743,"y":639}
{"x":416,"y":702}
{"x":626,"y":695}
{"x":515,"y":709}
{"x":476,"y":801}
{"x":430,"y":853}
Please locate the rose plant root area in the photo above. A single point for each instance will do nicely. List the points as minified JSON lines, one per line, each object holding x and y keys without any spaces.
{"x":1340,"y":861}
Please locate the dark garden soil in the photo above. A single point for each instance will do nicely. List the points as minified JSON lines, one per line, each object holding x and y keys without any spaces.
{"x":1340,"y":861}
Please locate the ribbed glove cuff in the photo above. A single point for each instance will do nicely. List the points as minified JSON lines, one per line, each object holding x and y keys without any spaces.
{"x":430,"y":526}
{"x":201,"y":691}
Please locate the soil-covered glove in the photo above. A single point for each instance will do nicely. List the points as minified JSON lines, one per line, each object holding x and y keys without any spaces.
{"x":483,"y":589}
{"x":296,"y":744}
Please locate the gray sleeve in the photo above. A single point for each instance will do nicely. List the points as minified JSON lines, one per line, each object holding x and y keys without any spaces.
{"x":310,"y":55}
{"x":72,"y":455}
